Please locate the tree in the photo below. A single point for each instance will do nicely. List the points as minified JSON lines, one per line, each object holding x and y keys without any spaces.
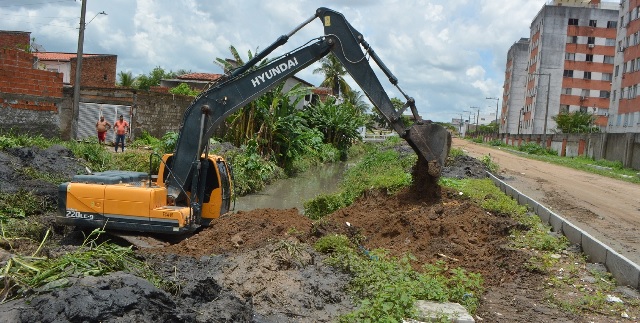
{"x":356,"y":100}
{"x":243,"y":124}
{"x":334,"y":73}
{"x":575,"y":122}
{"x":126,"y":79}
{"x":338,"y":122}
{"x":382,"y":121}
{"x":145,"y":82}
{"x":237,"y":61}
{"x":184,"y":89}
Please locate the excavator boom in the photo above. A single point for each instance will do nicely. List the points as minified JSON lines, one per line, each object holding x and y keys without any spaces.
{"x":430,"y":141}
{"x":193,"y":187}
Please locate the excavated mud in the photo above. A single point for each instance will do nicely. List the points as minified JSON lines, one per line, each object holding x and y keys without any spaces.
{"x":258,"y":266}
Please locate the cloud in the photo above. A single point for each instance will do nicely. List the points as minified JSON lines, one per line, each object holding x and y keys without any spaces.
{"x":448,"y":55}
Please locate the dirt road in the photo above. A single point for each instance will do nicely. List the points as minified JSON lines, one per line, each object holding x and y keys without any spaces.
{"x":606,"y":208}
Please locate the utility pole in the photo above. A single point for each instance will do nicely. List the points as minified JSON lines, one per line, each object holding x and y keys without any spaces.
{"x":76,"y":85}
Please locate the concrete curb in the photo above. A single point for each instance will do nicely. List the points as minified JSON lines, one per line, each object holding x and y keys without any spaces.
{"x":623,"y":270}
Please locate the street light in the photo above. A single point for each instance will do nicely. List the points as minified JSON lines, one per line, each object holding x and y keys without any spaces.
{"x":546,"y":109}
{"x":497,"y":125}
{"x":76,"y":86}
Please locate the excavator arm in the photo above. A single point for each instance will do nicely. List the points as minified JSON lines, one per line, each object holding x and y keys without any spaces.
{"x":430,"y":141}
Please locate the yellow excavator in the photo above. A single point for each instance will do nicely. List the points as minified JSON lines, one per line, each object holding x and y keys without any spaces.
{"x":194,"y":187}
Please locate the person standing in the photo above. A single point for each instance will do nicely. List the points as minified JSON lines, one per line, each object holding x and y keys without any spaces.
{"x":102,"y":126}
{"x":121,"y":128}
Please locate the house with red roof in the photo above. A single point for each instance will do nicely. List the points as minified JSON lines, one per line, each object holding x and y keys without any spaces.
{"x":98,"y":70}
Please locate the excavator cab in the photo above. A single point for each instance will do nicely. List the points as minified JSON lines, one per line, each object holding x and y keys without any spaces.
{"x":216,"y":190}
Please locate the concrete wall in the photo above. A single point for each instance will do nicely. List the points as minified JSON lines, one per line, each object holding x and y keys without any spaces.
{"x":623,"y":147}
{"x":159,"y":113}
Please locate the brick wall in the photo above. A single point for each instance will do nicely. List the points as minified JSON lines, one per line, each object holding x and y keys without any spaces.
{"x":14,"y":39}
{"x":97,"y":71}
{"x":28,"y":97}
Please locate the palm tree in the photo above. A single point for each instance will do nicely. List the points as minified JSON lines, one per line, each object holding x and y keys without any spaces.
{"x":357,"y":100}
{"x":333,"y":75}
{"x":229,"y":65}
{"x":126,"y":79}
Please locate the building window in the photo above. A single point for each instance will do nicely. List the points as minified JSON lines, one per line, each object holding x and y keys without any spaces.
{"x":607,"y":59}
{"x":564,"y":108}
{"x":570,"y":56}
{"x":615,"y":70}
{"x":605,"y":94}
{"x":587,"y":75}
{"x":593,"y":23}
{"x":573,"y":21}
{"x":583,"y":109}
{"x":589,"y":58}
{"x":609,"y":42}
{"x":591,"y":40}
{"x":572,"y":39}
{"x":568,"y":73}
{"x":607,"y":77}
{"x":584,"y":93}
{"x":612,"y":24}
{"x":566,"y":90}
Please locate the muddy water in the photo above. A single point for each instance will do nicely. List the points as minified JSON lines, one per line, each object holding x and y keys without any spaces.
{"x":293,"y":192}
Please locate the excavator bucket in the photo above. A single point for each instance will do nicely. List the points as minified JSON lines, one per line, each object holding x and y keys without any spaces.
{"x":432,"y":143}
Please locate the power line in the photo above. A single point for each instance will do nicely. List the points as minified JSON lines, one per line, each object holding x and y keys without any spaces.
{"x":33,"y":4}
{"x":12,"y":15}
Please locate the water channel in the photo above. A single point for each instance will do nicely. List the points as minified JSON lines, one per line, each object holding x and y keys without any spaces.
{"x":293,"y":192}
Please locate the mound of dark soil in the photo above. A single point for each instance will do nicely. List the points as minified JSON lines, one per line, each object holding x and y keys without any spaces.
{"x":16,"y":163}
{"x":258,"y":266}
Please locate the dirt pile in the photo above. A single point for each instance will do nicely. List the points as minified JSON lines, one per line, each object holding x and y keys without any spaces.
{"x":258,"y":266}
{"x":17,"y":163}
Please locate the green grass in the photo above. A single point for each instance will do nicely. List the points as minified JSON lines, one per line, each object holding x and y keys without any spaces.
{"x":388,"y":287}
{"x":379,"y":168}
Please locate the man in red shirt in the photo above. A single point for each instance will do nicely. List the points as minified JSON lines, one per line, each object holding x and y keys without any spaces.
{"x":121,"y":127}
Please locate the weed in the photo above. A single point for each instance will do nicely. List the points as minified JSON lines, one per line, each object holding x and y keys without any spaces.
{"x":289,"y":253}
{"x":24,"y":203}
{"x":535,"y":149}
{"x":497,"y":143}
{"x":491,"y":165}
{"x":22,"y":274}
{"x":332,"y":243}
{"x":47,"y":177}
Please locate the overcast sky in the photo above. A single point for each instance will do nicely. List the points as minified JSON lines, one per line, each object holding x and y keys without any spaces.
{"x":447,"y":54}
